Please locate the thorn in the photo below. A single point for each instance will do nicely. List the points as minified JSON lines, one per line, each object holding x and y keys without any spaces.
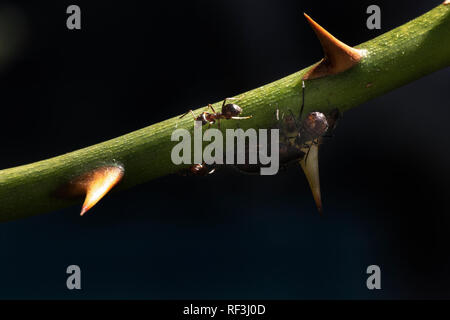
{"x":94,"y":185}
{"x":98,"y":182}
{"x":311,"y":169}
{"x":338,"y":56}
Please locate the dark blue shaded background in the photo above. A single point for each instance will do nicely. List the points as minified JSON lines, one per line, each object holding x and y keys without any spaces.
{"x":384,"y":175}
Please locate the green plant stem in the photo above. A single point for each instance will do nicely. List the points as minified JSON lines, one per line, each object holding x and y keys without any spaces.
{"x":393,"y":59}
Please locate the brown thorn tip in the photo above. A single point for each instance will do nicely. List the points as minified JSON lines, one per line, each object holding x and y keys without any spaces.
{"x":310,"y":167}
{"x":96,"y":184}
{"x":339,"y":57}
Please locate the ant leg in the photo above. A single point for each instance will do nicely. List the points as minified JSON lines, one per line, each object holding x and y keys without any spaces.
{"x":307,"y":153}
{"x":303,"y":100}
{"x":316,"y":142}
{"x":225,"y":101}
{"x":192,"y":112}
{"x":241,"y":118}
{"x":211,"y":107}
{"x":185,"y":114}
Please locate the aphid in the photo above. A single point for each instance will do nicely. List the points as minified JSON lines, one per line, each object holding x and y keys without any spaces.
{"x":229,"y":111}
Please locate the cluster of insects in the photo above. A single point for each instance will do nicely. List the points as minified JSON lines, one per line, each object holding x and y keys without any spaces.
{"x":297,"y":135}
{"x":200,"y":169}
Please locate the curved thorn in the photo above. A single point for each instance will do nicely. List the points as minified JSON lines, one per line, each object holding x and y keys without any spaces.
{"x":338,"y":56}
{"x":97,"y":184}
{"x":310,"y":167}
{"x":94,"y":184}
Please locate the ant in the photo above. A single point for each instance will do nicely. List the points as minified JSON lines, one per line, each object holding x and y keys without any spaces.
{"x":198,"y":169}
{"x":202,"y":169}
{"x":229,"y":111}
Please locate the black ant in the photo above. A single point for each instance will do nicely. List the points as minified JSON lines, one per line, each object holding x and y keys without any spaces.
{"x":229,"y":111}
{"x":202,"y":169}
{"x":311,"y":129}
{"x":297,"y":136}
{"x":199,"y":169}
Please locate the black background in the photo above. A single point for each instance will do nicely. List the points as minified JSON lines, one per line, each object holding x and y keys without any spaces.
{"x":384,"y":175}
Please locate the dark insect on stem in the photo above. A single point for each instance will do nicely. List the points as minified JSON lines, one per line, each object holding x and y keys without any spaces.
{"x":304,"y":136}
{"x":297,"y":136}
{"x":229,"y":111}
{"x":199,"y":169}
{"x":315,"y":126}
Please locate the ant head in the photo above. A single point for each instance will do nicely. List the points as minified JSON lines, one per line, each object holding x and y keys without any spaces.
{"x":316,"y":122}
{"x":231,"y":110}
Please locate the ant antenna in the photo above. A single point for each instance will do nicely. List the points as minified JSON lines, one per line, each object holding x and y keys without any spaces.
{"x":309,"y":149}
{"x":303,"y":100}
